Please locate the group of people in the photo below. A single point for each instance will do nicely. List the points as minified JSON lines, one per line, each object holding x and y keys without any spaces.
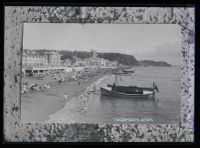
{"x":84,"y":97}
{"x":25,"y":87}
{"x":90,"y":89}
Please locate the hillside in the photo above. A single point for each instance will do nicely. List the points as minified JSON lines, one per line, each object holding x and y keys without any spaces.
{"x":154,"y":63}
{"x":124,"y":59}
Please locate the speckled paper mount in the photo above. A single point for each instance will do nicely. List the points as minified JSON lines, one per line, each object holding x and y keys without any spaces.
{"x":15,"y":131}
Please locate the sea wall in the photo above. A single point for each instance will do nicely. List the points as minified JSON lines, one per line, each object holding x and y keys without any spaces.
{"x":16,"y":131}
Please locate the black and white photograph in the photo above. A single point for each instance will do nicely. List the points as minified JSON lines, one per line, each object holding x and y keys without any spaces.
{"x":101,"y":73}
{"x":76,"y":73}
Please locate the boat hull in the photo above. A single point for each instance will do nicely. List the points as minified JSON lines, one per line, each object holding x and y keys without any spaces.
{"x":124,"y":74}
{"x":110,"y":93}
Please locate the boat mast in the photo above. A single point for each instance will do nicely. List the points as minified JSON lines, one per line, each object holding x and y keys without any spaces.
{"x":116,"y":82}
{"x":116,"y":75}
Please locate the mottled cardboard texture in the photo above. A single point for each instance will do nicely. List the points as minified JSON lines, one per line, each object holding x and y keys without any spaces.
{"x":15,"y":131}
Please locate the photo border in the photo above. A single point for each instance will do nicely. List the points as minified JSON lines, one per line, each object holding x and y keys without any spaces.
{"x":15,"y":131}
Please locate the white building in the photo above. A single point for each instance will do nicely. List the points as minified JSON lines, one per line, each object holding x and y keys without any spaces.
{"x":80,"y":62}
{"x":31,"y":58}
{"x":66,"y":62}
{"x":104,"y":62}
{"x":36,"y":62}
{"x":34,"y":59}
{"x":54,"y":58}
{"x":77,"y":69}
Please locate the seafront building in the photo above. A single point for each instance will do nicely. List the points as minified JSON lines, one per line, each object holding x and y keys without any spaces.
{"x":34,"y":62}
{"x":94,"y":62}
{"x":66,"y":62}
{"x":31,"y":58}
{"x":53,"y":58}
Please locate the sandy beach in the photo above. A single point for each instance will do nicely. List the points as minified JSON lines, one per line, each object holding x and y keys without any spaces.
{"x":38,"y":106}
{"x":77,"y":106}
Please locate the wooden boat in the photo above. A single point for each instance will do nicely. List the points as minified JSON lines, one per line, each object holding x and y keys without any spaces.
{"x":122,"y":74}
{"x":129,"y":91}
{"x":128,"y":71}
{"x":142,"y":92}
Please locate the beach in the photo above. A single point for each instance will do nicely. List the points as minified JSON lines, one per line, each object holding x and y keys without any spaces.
{"x":78,"y":105}
{"x":37,"y":106}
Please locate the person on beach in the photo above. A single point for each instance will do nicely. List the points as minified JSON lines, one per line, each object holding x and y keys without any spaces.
{"x":83,"y":100}
{"x":114,"y":86}
{"x":65,"y":96}
{"x":83,"y":103}
{"x":94,"y":87}
{"x":59,"y":81}
{"x":87,"y":90}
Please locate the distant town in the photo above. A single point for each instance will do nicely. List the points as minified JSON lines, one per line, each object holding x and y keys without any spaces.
{"x":35,"y":61}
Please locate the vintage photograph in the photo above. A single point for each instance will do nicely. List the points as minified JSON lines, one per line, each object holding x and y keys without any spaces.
{"x":101,"y":73}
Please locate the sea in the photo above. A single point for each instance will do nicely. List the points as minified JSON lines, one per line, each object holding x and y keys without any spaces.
{"x":165,"y":108}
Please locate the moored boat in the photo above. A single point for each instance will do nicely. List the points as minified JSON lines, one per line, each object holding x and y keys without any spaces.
{"x":125,"y":73}
{"x":129,"y":91}
{"x":116,"y":90}
{"x":128,"y":71}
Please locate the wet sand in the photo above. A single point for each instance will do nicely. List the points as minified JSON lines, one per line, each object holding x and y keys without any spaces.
{"x":75,"y":108}
{"x":37,"y":106}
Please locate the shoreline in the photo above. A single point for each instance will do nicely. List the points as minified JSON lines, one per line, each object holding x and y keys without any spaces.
{"x":101,"y":110}
{"x":55,"y":118}
{"x":51,"y":101}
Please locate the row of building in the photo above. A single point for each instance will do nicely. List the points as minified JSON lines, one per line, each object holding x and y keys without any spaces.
{"x":32,"y":58}
{"x":94,"y":61}
{"x":51,"y":60}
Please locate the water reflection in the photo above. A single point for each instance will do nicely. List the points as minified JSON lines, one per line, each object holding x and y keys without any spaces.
{"x":135,"y":99}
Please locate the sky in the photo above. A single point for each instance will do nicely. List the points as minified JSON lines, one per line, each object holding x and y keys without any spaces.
{"x":159,"y":42}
